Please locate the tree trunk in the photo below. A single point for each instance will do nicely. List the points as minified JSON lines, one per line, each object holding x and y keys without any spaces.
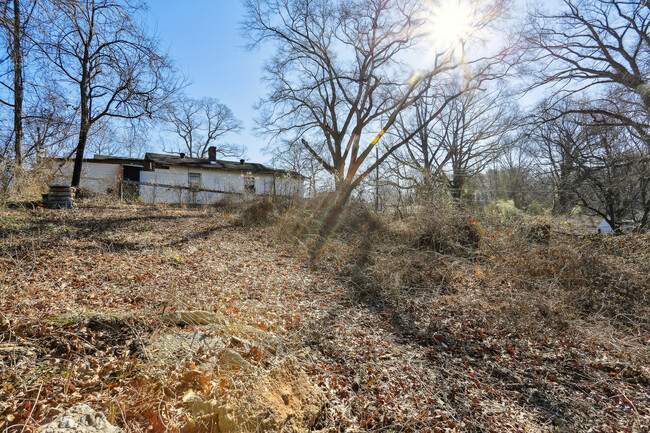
{"x":83,"y":138}
{"x":457,"y":186}
{"x":644,"y":218}
{"x":16,"y":55}
{"x":79,"y":156}
{"x":85,"y":115}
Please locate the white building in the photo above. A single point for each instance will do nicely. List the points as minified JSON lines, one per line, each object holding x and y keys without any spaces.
{"x":162,"y":178}
{"x":604,"y":227}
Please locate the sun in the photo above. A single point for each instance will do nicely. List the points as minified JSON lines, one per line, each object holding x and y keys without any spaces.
{"x":450,"y":23}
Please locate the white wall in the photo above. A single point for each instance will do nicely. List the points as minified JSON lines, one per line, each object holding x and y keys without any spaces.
{"x":104,"y":177}
{"x":280,"y":185}
{"x":215,"y":180}
{"x":220,"y":181}
{"x":97,"y":176}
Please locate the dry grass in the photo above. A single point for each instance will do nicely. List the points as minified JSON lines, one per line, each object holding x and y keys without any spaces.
{"x":516,"y":324}
{"x":447,"y":320}
{"x":24,"y":185}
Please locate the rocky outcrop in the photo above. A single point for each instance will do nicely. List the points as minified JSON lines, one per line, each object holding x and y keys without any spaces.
{"x":80,"y":418}
{"x":252,"y":396}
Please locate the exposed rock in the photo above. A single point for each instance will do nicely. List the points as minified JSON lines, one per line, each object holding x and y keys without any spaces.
{"x":282,"y":397}
{"x":80,"y":418}
{"x":183,"y":318}
{"x":290,"y":396}
{"x":229,"y":359}
{"x":265,"y":340}
{"x":183,"y":345}
{"x":238,"y":342}
{"x":237,"y":418}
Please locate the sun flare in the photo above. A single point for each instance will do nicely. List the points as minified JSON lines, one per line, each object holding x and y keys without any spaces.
{"x":450,"y":23}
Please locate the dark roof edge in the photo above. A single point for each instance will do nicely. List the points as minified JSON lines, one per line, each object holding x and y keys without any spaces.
{"x":107,"y":160}
{"x":197,"y":166}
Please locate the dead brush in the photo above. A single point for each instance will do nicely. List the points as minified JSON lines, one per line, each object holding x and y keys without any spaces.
{"x":450,"y":234}
{"x":258,"y":211}
{"x":442,"y":246}
{"x":228,"y":205}
{"x":90,"y":198}
{"x":388,"y":254}
{"x":24,"y":184}
{"x":572,"y":273}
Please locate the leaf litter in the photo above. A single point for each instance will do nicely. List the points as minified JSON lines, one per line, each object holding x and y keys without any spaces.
{"x":83,"y":291}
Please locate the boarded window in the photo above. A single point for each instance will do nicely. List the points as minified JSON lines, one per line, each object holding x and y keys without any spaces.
{"x":249,"y":184}
{"x":195,"y":180}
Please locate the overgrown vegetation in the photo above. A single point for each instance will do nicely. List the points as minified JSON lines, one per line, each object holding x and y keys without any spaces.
{"x":446,"y":319}
{"x":517,"y":314}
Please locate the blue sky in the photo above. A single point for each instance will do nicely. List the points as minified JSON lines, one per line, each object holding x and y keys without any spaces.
{"x":204,"y":39}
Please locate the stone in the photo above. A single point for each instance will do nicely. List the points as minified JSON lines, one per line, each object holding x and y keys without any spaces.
{"x":183,"y":345}
{"x":238,"y":342}
{"x":80,"y":418}
{"x":183,"y":318}
{"x":229,"y":359}
{"x":290,"y":396}
{"x":282,"y":397}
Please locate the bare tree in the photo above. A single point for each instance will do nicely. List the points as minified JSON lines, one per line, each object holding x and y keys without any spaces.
{"x":115,"y":69}
{"x":598,"y":46}
{"x":608,"y":171}
{"x":339,"y":76}
{"x":14,"y":20}
{"x":201,"y":122}
{"x":555,"y":134}
{"x":297,"y":158}
{"x":49,"y":123}
{"x":599,"y":49}
{"x":603,"y":168}
{"x":465,"y":137}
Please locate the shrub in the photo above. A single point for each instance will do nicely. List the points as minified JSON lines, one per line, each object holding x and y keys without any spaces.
{"x":259,"y":210}
{"x":442,"y":247}
{"x":24,"y":184}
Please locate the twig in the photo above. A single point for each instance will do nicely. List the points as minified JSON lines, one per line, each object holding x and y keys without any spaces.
{"x":33,"y":408}
{"x":67,"y":384}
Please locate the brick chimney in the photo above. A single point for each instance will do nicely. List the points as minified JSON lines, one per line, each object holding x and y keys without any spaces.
{"x":212,"y":154}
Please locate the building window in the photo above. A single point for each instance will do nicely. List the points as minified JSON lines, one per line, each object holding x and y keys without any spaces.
{"x":195,"y":180}
{"x":249,"y":184}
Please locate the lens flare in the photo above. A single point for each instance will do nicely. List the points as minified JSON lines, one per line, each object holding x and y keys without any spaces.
{"x":450,"y":23}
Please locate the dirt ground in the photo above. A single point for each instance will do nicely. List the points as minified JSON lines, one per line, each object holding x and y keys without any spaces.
{"x":402,"y":362}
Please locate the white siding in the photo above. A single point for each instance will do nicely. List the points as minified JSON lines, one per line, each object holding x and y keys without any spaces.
{"x":604,"y":227}
{"x":280,"y":185}
{"x":214,"y":180}
{"x":104,"y":177}
{"x":210,"y":179}
{"x":97,"y":176}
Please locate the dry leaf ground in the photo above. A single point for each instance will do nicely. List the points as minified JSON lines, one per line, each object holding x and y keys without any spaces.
{"x":413,"y":359}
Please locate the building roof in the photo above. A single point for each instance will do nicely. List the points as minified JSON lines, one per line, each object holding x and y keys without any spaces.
{"x":163,"y":159}
{"x":111,"y":159}
{"x":201,"y":163}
